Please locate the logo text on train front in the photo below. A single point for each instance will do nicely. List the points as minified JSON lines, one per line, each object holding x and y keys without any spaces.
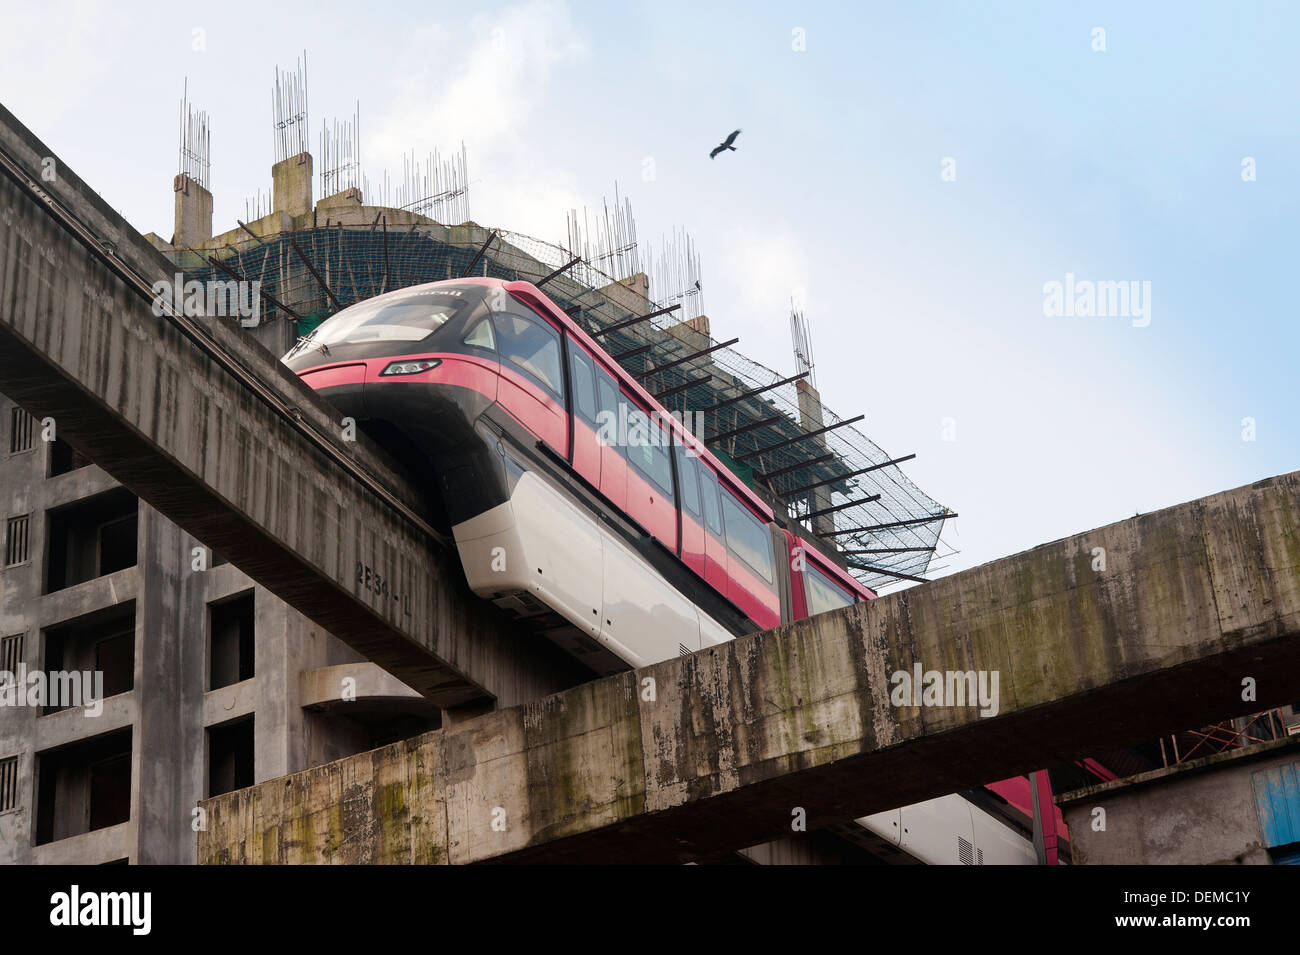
{"x":217,"y":299}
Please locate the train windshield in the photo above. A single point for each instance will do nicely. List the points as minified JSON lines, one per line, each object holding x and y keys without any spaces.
{"x":406,"y":318}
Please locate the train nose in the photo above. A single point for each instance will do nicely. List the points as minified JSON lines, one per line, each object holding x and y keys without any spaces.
{"x":437,"y":416}
{"x":343,"y":386}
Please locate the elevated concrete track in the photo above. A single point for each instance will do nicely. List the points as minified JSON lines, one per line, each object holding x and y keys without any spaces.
{"x":1195,"y":618}
{"x":208,"y":428}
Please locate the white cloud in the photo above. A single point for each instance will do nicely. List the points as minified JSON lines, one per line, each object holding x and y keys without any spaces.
{"x":488,"y":86}
{"x":751,"y":272}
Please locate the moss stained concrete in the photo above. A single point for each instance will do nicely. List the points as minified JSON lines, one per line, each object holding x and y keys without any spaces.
{"x":1193,"y":600}
{"x":249,"y":476}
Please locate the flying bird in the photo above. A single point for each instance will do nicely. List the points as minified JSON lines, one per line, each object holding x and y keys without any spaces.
{"x":726,"y":144}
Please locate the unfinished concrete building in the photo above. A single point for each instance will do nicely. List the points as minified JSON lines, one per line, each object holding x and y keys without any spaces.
{"x":209,"y":683}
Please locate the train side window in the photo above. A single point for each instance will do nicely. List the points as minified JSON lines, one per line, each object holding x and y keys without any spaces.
{"x":532,"y":347}
{"x":709,"y":492}
{"x":747,"y":537}
{"x":480,"y":336}
{"x":824,"y":594}
{"x":647,"y":449}
{"x":607,"y":427}
{"x":583,"y":373}
{"x":689,"y":480}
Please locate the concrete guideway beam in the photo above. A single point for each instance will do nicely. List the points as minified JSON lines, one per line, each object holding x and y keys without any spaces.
{"x":264,"y":477}
{"x":1164,"y":621}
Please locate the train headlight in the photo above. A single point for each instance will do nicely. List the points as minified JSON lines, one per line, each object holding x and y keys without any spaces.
{"x":411,"y":367}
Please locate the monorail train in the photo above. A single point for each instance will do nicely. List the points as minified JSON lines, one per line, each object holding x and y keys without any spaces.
{"x":575,"y":500}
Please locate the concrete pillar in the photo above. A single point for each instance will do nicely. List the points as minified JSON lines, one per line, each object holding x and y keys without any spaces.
{"x":291,"y":185}
{"x":168,"y":745}
{"x":700,"y":323}
{"x":810,"y":417}
{"x":343,"y":207}
{"x":630,"y":293}
{"x":639,"y":283}
{"x":193,"y":212}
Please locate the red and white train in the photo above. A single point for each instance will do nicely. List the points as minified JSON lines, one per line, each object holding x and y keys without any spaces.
{"x":569,"y":490}
{"x":575,"y":500}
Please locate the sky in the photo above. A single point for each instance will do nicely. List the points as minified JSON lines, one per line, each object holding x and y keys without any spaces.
{"x":917,"y":174}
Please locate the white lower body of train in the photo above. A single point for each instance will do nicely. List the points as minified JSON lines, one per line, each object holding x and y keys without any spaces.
{"x":542,"y":546}
{"x":951,"y":830}
{"x":540,"y":550}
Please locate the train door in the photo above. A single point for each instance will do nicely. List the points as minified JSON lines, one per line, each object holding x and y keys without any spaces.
{"x":610,"y":436}
{"x":692,"y":535}
{"x":651,"y":499}
{"x":715,"y":543}
{"x":532,"y":376}
{"x":586,"y":444}
{"x":751,"y":565}
{"x":783,"y":543}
